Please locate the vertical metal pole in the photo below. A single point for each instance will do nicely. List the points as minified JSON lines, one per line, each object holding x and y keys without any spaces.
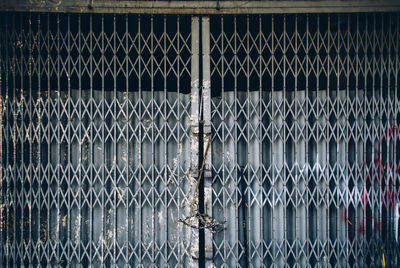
{"x":396,"y":104}
{"x":164,"y":228}
{"x":114,"y":150}
{"x":103,"y":159}
{"x":30,"y":133}
{"x":58,"y":169}
{"x":226,"y":147}
{"x":15,"y":148}
{"x":80,"y":169}
{"x":193,"y":234}
{"x":306,"y":164}
{"x":3,"y":123}
{"x":8,"y":145}
{"x":68,"y":139}
{"x":153,"y":133}
{"x":181,"y":252}
{"x":365,"y":131}
{"x":49,"y":141}
{"x":206,"y":110}
{"x":91,"y":118}
{"x":140,"y":160}
{"x":128,"y":118}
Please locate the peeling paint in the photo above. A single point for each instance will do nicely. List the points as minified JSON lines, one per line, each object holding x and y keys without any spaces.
{"x":77,"y":228}
{"x":161,"y":219}
{"x":64,"y":221}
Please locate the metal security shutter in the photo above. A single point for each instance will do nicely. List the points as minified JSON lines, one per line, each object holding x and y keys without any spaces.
{"x":105,"y":122}
{"x":95,"y":131}
{"x":305,"y":151}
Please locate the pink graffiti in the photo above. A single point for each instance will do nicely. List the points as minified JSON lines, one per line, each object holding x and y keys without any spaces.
{"x":388,"y":196}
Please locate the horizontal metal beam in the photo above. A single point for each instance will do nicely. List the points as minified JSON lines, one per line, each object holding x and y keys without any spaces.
{"x":199,"y":7}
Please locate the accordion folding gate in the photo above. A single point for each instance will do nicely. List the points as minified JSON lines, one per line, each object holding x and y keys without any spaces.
{"x":225,"y":140}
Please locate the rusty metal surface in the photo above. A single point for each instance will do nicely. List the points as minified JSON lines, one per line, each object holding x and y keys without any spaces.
{"x":198,"y":7}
